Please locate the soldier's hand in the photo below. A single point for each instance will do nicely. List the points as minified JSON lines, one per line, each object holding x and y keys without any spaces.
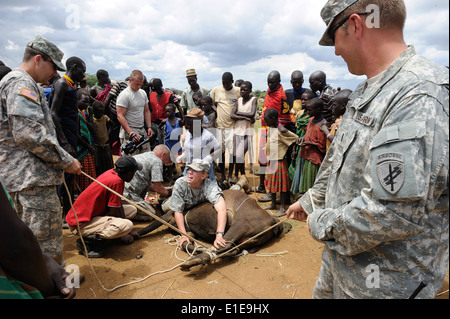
{"x":182,"y":240}
{"x":74,"y":168}
{"x":296,"y":211}
{"x":220,"y":242}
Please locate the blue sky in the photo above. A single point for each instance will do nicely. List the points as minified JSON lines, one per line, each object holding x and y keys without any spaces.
{"x":164,"y":38}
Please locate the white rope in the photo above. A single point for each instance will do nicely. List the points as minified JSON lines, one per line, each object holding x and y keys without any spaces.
{"x":89,"y":262}
{"x":212,"y":254}
{"x":175,"y":241}
{"x":144,"y":210}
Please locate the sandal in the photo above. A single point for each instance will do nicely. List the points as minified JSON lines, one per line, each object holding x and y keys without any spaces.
{"x":265,"y":199}
{"x":259,"y":189}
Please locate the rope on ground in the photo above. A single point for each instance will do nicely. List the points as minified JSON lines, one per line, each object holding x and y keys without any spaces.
{"x":88,"y":259}
{"x":175,"y":241}
{"x":211,"y":253}
{"x":252,"y":238}
{"x":144,"y":210}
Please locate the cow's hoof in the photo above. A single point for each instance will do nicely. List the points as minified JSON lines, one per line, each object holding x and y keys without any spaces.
{"x":202,"y":260}
{"x":286,"y":228}
{"x":188,"y":264}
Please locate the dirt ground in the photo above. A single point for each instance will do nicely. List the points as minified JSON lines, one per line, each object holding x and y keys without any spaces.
{"x":285,"y":268}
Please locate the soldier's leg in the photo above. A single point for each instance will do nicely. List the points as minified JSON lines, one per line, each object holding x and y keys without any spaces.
{"x":40,"y":209}
{"x":323,"y":288}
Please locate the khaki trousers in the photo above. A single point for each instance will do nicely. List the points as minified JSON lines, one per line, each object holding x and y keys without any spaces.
{"x":108,"y":227}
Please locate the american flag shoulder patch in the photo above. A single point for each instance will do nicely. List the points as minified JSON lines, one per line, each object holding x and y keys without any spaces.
{"x":29,"y":94}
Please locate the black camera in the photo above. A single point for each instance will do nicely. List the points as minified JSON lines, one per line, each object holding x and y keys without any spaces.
{"x":131,"y":147}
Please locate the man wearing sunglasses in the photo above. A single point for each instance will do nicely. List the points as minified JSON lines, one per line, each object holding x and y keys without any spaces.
{"x":32,"y":161}
{"x":380,"y":202}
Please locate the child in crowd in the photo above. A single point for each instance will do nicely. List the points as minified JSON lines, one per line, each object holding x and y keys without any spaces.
{"x":301,"y":120}
{"x":172,"y":127}
{"x":197,"y":97}
{"x":279,"y":139}
{"x":339,"y":107}
{"x":102,"y":124}
{"x":85,"y":149}
{"x":207,"y":107}
{"x":313,"y":144}
{"x":244,"y":128}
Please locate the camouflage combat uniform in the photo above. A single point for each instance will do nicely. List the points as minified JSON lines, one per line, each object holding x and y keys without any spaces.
{"x":381,"y":196}
{"x":32,"y":160}
{"x":152,"y":172}
{"x":185,"y":197}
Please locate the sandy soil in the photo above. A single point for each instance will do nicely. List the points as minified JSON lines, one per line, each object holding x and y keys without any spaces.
{"x":285,"y":268}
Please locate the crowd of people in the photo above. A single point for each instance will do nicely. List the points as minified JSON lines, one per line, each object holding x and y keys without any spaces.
{"x":53,"y":145}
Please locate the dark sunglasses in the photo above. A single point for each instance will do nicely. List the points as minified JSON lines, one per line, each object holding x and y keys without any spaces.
{"x":332,"y":31}
{"x":47,"y":59}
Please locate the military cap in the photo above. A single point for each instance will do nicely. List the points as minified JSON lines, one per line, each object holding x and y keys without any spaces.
{"x":44,"y":46}
{"x":128,"y":163}
{"x":329,"y":12}
{"x":199,"y":165}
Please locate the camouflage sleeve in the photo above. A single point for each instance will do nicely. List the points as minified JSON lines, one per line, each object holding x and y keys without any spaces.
{"x":177,"y":203}
{"x":157,"y":172}
{"x":31,"y":132}
{"x":213,"y":192}
{"x":407,"y":158}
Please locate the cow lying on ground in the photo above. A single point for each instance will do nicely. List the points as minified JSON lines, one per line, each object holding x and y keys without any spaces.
{"x":245,"y":219}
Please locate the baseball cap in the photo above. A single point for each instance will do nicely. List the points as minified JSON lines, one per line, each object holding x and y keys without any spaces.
{"x":199,"y":165}
{"x":329,"y":12}
{"x":128,"y":163}
{"x":44,"y":46}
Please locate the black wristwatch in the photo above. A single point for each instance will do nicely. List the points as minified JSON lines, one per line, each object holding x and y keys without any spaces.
{"x":220,"y":232}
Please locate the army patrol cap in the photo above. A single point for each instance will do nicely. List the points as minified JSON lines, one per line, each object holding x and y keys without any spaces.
{"x":199,"y":165}
{"x":128,"y":163}
{"x":329,"y":12}
{"x":54,"y":53}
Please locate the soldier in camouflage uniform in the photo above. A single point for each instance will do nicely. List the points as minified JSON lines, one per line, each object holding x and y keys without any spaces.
{"x":194,"y":189}
{"x":32,"y":160}
{"x":380,"y":202}
{"x":149,"y":179}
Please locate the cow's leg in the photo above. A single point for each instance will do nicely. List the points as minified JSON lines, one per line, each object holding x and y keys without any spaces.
{"x":155,"y":225}
{"x":206,"y":257}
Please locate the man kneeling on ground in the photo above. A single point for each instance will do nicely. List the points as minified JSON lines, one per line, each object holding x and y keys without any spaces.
{"x":192,"y":190}
{"x":100,"y":213}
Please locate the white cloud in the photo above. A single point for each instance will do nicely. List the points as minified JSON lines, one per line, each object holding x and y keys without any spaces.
{"x":122,"y":66}
{"x":98,"y":59}
{"x":11,"y":46}
{"x":164,"y":38}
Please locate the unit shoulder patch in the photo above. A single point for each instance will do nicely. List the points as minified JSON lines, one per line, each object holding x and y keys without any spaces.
{"x":391,"y":171}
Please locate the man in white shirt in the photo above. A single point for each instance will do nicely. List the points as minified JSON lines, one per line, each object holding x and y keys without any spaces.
{"x":199,"y":143}
{"x":133,"y":112}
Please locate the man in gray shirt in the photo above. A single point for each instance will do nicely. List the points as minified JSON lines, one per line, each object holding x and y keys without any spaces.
{"x":194,"y":189}
{"x":133,"y":112}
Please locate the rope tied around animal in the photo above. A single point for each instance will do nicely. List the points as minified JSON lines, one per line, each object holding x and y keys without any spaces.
{"x":211,"y":252}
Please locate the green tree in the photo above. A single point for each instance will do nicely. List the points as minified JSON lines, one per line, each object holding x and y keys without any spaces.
{"x":91,"y":79}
